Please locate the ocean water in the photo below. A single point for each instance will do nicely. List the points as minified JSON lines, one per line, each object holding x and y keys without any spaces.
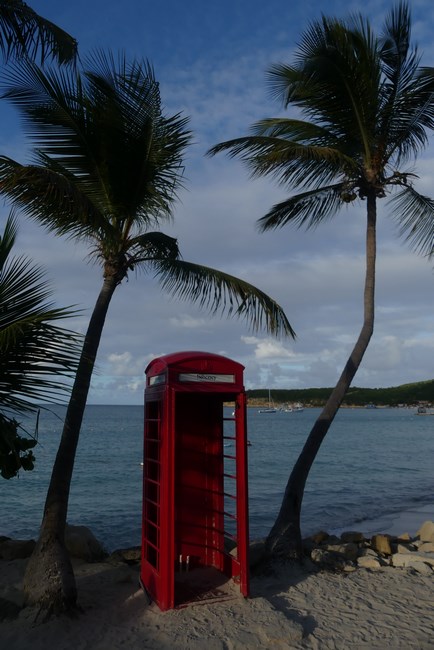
{"x":373,"y":463}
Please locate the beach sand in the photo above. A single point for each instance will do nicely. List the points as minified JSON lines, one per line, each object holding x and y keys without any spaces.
{"x":291,"y":607}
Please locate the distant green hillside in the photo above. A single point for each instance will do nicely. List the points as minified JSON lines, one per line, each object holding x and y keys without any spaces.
{"x":422,"y":391}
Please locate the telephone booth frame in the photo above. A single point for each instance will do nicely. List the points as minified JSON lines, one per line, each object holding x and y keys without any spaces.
{"x":195,"y":487}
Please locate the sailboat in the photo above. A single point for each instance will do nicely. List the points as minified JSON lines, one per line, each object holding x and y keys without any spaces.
{"x":270,"y":408}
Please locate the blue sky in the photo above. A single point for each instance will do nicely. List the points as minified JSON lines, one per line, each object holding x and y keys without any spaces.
{"x":211,"y":59}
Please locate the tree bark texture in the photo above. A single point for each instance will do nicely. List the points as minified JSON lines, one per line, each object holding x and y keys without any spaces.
{"x":49,"y":580}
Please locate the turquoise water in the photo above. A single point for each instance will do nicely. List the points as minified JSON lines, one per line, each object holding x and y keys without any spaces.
{"x":373,"y":463}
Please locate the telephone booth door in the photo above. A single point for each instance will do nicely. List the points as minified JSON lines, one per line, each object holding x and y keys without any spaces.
{"x":195,"y":497}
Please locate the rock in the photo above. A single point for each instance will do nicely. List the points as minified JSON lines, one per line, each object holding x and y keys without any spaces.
{"x":317,"y":555}
{"x":410,"y":559}
{"x":330,"y":560}
{"x":349,"y":551}
{"x":349,"y":568}
{"x":426,"y":547}
{"x":368,"y":552}
{"x":405,"y":537}
{"x":352,"y":536}
{"x":368,"y":562}
{"x":400,"y":559}
{"x":403,"y":548}
{"x":131,"y":555}
{"x":381,"y":544}
{"x":319,"y":537}
{"x":422,"y":567}
{"x":428,"y":558}
{"x":411,"y":562}
{"x":426,"y":532}
{"x":16,"y":549}
{"x":81,"y":542}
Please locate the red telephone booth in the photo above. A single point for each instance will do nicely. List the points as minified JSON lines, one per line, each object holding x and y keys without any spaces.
{"x":195,"y":496}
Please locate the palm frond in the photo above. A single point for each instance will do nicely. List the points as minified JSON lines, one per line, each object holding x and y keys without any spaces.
{"x":35,"y":354}
{"x":414,"y":213}
{"x":7,"y":240}
{"x":288,"y":161}
{"x":407,"y":90}
{"x":106,"y":129}
{"x":216,"y":291}
{"x":395,"y":42}
{"x":306,"y":209}
{"x":151,"y":245}
{"x":334,"y":81}
{"x":311,"y":153}
{"x":31,"y":368}
{"x":51,"y":198}
{"x":24,"y":33}
{"x":408,"y":114}
{"x":293,"y":130}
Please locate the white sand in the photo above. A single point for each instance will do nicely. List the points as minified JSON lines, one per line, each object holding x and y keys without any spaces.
{"x":391,"y":608}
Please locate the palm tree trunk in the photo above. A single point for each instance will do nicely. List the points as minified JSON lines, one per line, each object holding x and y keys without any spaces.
{"x":49,"y":579}
{"x":284,"y":539}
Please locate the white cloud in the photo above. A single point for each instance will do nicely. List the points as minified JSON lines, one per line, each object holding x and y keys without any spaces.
{"x":123,"y":364}
{"x":187,"y":321}
{"x":268,"y":348}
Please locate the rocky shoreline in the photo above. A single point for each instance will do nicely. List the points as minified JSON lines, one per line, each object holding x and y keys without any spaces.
{"x":347,"y":552}
{"x":352,"y":550}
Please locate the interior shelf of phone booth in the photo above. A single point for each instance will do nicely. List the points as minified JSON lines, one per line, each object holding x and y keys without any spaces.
{"x":195,"y":493}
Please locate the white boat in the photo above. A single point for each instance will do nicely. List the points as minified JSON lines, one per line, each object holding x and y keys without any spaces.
{"x":424,"y":411}
{"x":270,"y":408}
{"x":295,"y":408}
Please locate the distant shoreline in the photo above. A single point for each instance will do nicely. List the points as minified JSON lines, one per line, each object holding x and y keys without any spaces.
{"x":262,"y":403}
{"x":407,"y":395}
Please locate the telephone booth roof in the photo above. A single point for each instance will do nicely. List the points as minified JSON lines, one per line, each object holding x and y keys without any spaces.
{"x":194,"y":368}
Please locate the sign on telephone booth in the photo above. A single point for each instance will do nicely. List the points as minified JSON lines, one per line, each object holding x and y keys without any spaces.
{"x":195,"y":493}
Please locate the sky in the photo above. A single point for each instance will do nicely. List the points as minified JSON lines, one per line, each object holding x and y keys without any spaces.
{"x":211,"y":61}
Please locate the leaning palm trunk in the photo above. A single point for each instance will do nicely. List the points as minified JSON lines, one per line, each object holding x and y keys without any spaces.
{"x":284,"y":539}
{"x":49,"y":579}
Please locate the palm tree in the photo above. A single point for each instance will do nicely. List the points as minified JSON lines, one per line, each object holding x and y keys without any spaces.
{"x":24,"y":33}
{"x":364,"y":106}
{"x":35,"y":353}
{"x":108,"y":166}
